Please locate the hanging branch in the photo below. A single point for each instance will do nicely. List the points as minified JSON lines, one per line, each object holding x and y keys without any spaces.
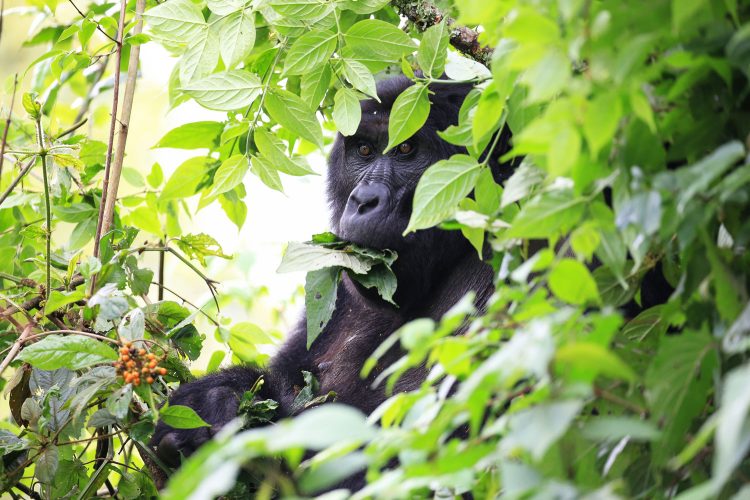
{"x":127,"y":106}
{"x":424,"y":14}
{"x":7,"y":121}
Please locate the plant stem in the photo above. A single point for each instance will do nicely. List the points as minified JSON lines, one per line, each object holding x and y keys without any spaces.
{"x":47,"y":205}
{"x":111,"y":141}
{"x":7,"y":121}
{"x":127,"y":106}
{"x":16,"y":347}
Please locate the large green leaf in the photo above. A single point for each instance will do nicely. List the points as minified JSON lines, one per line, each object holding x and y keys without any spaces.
{"x":226,"y":90}
{"x":311,"y":50}
{"x":229,"y":174}
{"x":379,"y":40}
{"x":236,"y":37}
{"x":320,"y":299}
{"x":409,"y":112}
{"x":440,"y":190}
{"x":200,"y":58}
{"x":293,"y":113}
{"x":176,"y":21}
{"x":359,"y":76}
{"x":185,"y":180}
{"x":547,"y":214}
{"x":181,"y":417}
{"x":432,"y":50}
{"x":72,"y":352}
{"x":193,"y":135}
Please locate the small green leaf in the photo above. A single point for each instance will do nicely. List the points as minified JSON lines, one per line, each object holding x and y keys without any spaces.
{"x":311,"y":50}
{"x":440,"y":189}
{"x":314,"y":85}
{"x":266,"y":171}
{"x":547,"y":214}
{"x":320,"y":299}
{"x":58,"y":299}
{"x":571,"y":282}
{"x":72,"y":352}
{"x":199,"y":246}
{"x":181,"y":417}
{"x":346,"y":111}
{"x":600,"y":123}
{"x":408,"y":114}
{"x":229,"y":174}
{"x":184,"y":182}
{"x":584,"y":361}
{"x":274,"y":150}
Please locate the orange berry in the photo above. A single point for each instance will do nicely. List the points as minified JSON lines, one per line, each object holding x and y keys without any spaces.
{"x":125,"y":357}
{"x":163,"y":371}
{"x":142,"y":352}
{"x":150,"y":380}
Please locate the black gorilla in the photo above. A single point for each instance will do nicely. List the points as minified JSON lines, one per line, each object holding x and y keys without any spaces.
{"x":370,"y":195}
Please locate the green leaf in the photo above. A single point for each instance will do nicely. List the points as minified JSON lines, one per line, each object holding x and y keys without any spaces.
{"x":488,"y":116}
{"x":229,"y":174}
{"x":360,"y":77}
{"x":600,"y":123}
{"x":346,"y":111}
{"x":380,"y":277}
{"x":547,"y":214}
{"x":266,"y":171}
{"x":698,"y":177}
{"x":584,"y":361}
{"x":537,"y":428}
{"x":732,"y":432}
{"x":521,"y":183}
{"x":679,"y":382}
{"x":548,"y":76}
{"x":147,"y":219}
{"x":200,"y":58}
{"x":234,"y":207}
{"x":181,"y":417}
{"x":311,"y":50}
{"x":684,"y":10}
{"x":58,"y":299}
{"x":315,"y":84}
{"x":433,"y":50}
{"x":293,"y":113}
{"x":274,"y":150}
{"x":226,"y":90}
{"x":236,"y":36}
{"x":74,"y":212}
{"x":321,"y":287}
{"x":195,"y":135}
{"x":184,"y":182}
{"x":572,"y":282}
{"x":440,"y":189}
{"x":616,"y":428}
{"x":31,"y":105}
{"x":408,"y":114}
{"x":308,"y":257}
{"x":72,"y":352}
{"x":379,"y":40}
{"x":224,"y":7}
{"x":299,"y":9}
{"x":199,"y":246}
{"x":176,"y":21}
{"x":362,"y":6}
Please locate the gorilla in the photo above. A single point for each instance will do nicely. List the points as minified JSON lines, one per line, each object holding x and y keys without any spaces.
{"x":370,"y":196}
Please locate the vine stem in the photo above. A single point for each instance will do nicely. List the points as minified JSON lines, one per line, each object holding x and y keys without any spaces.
{"x":7,"y":124}
{"x":48,"y":233}
{"x":110,"y":142}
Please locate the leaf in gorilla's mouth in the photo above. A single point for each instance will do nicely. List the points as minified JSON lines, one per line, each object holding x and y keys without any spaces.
{"x":324,"y":257}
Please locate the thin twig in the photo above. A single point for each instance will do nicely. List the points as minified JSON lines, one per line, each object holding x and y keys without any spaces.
{"x":72,"y":129}
{"x":21,"y":175}
{"x":127,"y":106}
{"x":36,"y":301}
{"x":47,"y":204}
{"x":16,"y":347}
{"x":98,"y":27}
{"x":10,"y":114}
{"x":110,"y":143}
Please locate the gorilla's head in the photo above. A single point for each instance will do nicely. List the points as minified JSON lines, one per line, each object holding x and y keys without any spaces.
{"x":370,"y":193}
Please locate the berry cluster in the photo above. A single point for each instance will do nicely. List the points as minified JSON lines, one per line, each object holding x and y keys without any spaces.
{"x":138,"y":364}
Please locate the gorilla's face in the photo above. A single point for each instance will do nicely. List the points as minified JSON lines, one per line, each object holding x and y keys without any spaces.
{"x":371,"y":192}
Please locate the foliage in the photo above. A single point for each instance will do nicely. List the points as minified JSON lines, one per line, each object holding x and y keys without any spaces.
{"x":632,"y":121}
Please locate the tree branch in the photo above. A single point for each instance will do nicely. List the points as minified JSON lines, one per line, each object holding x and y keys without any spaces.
{"x":424,"y":14}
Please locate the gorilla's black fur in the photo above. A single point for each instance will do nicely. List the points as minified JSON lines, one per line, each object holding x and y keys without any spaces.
{"x":370,"y":196}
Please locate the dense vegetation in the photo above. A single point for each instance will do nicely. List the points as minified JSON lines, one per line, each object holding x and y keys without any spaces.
{"x":633,"y":121}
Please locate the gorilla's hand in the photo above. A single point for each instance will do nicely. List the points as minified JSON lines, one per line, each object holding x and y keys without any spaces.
{"x":215,"y":398}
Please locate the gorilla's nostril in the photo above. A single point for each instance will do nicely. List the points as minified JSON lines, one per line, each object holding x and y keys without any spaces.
{"x":366,"y":206}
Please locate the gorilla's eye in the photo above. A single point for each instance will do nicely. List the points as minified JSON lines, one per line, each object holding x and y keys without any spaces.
{"x":364,"y":150}
{"x":405,"y":148}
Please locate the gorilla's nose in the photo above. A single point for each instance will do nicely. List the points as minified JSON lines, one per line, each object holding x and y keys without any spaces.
{"x":366,"y":200}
